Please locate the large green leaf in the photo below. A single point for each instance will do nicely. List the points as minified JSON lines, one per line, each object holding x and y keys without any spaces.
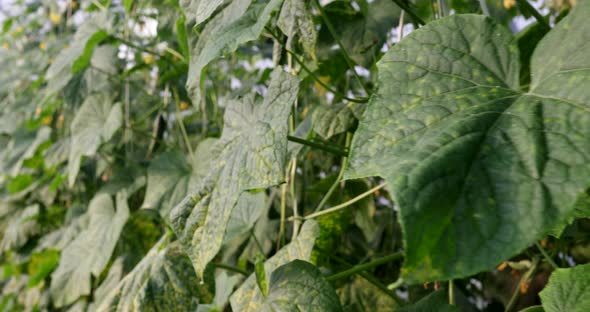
{"x":568,"y":290}
{"x":249,"y":297}
{"x":96,"y":121}
{"x":21,"y":227}
{"x":238,"y":23}
{"x":252,"y":154}
{"x":164,"y":280}
{"x":90,"y":252}
{"x":299,"y":286}
{"x":199,"y":10}
{"x":478,"y":169}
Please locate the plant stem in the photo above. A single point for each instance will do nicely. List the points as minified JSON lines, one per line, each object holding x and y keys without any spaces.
{"x":318,"y":80}
{"x":451,"y":292}
{"x":231,"y":268}
{"x":524,"y":278}
{"x":281,"y":239}
{"x":181,"y":123}
{"x":338,"y":178}
{"x":363,"y":267}
{"x":526,"y":6}
{"x":296,"y":221}
{"x":328,"y":149}
{"x":546,"y":256}
{"x":343,"y":51}
{"x":484,"y":7}
{"x":404,"y":6}
{"x":345,"y":204}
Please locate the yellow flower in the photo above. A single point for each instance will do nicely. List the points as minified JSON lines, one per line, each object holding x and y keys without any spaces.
{"x":5,"y":45}
{"x":55,"y":18}
{"x":183,"y":105}
{"x":47,"y":120}
{"x":508,"y":4}
{"x":42,"y":45}
{"x":148,"y":59}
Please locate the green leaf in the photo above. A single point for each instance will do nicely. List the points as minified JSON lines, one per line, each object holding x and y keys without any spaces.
{"x":61,"y":69}
{"x":41,"y":265}
{"x":199,"y":10}
{"x":330,"y":120}
{"x":182,"y":37}
{"x":95,"y":122}
{"x":22,"y":227}
{"x":171,"y":176}
{"x":296,"y":21}
{"x":435,"y":302}
{"x":248,"y":297}
{"x":164,"y":280}
{"x":536,"y":308}
{"x":90,"y":252}
{"x":299,"y":286}
{"x":478,"y":169}
{"x":568,"y":290}
{"x":361,"y":295}
{"x":83,"y":61}
{"x":237,"y":24}
{"x":261,"y":277}
{"x":128,"y":4}
{"x":252,"y":154}
{"x":362,"y":33}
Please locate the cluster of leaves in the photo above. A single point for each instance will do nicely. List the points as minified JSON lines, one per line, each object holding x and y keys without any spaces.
{"x":183,"y":155}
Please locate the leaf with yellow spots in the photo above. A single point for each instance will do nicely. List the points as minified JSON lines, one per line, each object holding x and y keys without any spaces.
{"x":252,"y":153}
{"x":476,"y":171}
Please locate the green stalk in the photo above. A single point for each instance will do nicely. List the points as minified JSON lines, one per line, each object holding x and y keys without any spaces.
{"x":546,"y":256}
{"x":181,"y":123}
{"x":526,"y":6}
{"x":363,"y":267}
{"x":231,"y":268}
{"x":404,"y":6}
{"x":345,"y":204}
{"x":343,"y":51}
{"x":524,"y":278}
{"x":323,"y":147}
{"x":339,"y":178}
{"x":318,"y":80}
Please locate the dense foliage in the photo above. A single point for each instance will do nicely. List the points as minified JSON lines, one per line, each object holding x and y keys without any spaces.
{"x":292,"y":155}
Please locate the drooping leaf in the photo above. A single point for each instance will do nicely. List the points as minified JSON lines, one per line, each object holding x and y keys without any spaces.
{"x":466,"y":154}
{"x":199,"y":10}
{"x":21,"y":147}
{"x":299,"y":286}
{"x":248,"y":297}
{"x":41,"y":265}
{"x":164,"y":280}
{"x":240,"y":22}
{"x":435,"y":302}
{"x":252,"y":154}
{"x":296,"y":21}
{"x":96,"y":121}
{"x":332,"y":119}
{"x":90,"y":252}
{"x":171,"y":176}
{"x":22,"y":227}
{"x":83,"y":60}
{"x":362,"y":32}
{"x":568,"y":290}
{"x":61,"y":69}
